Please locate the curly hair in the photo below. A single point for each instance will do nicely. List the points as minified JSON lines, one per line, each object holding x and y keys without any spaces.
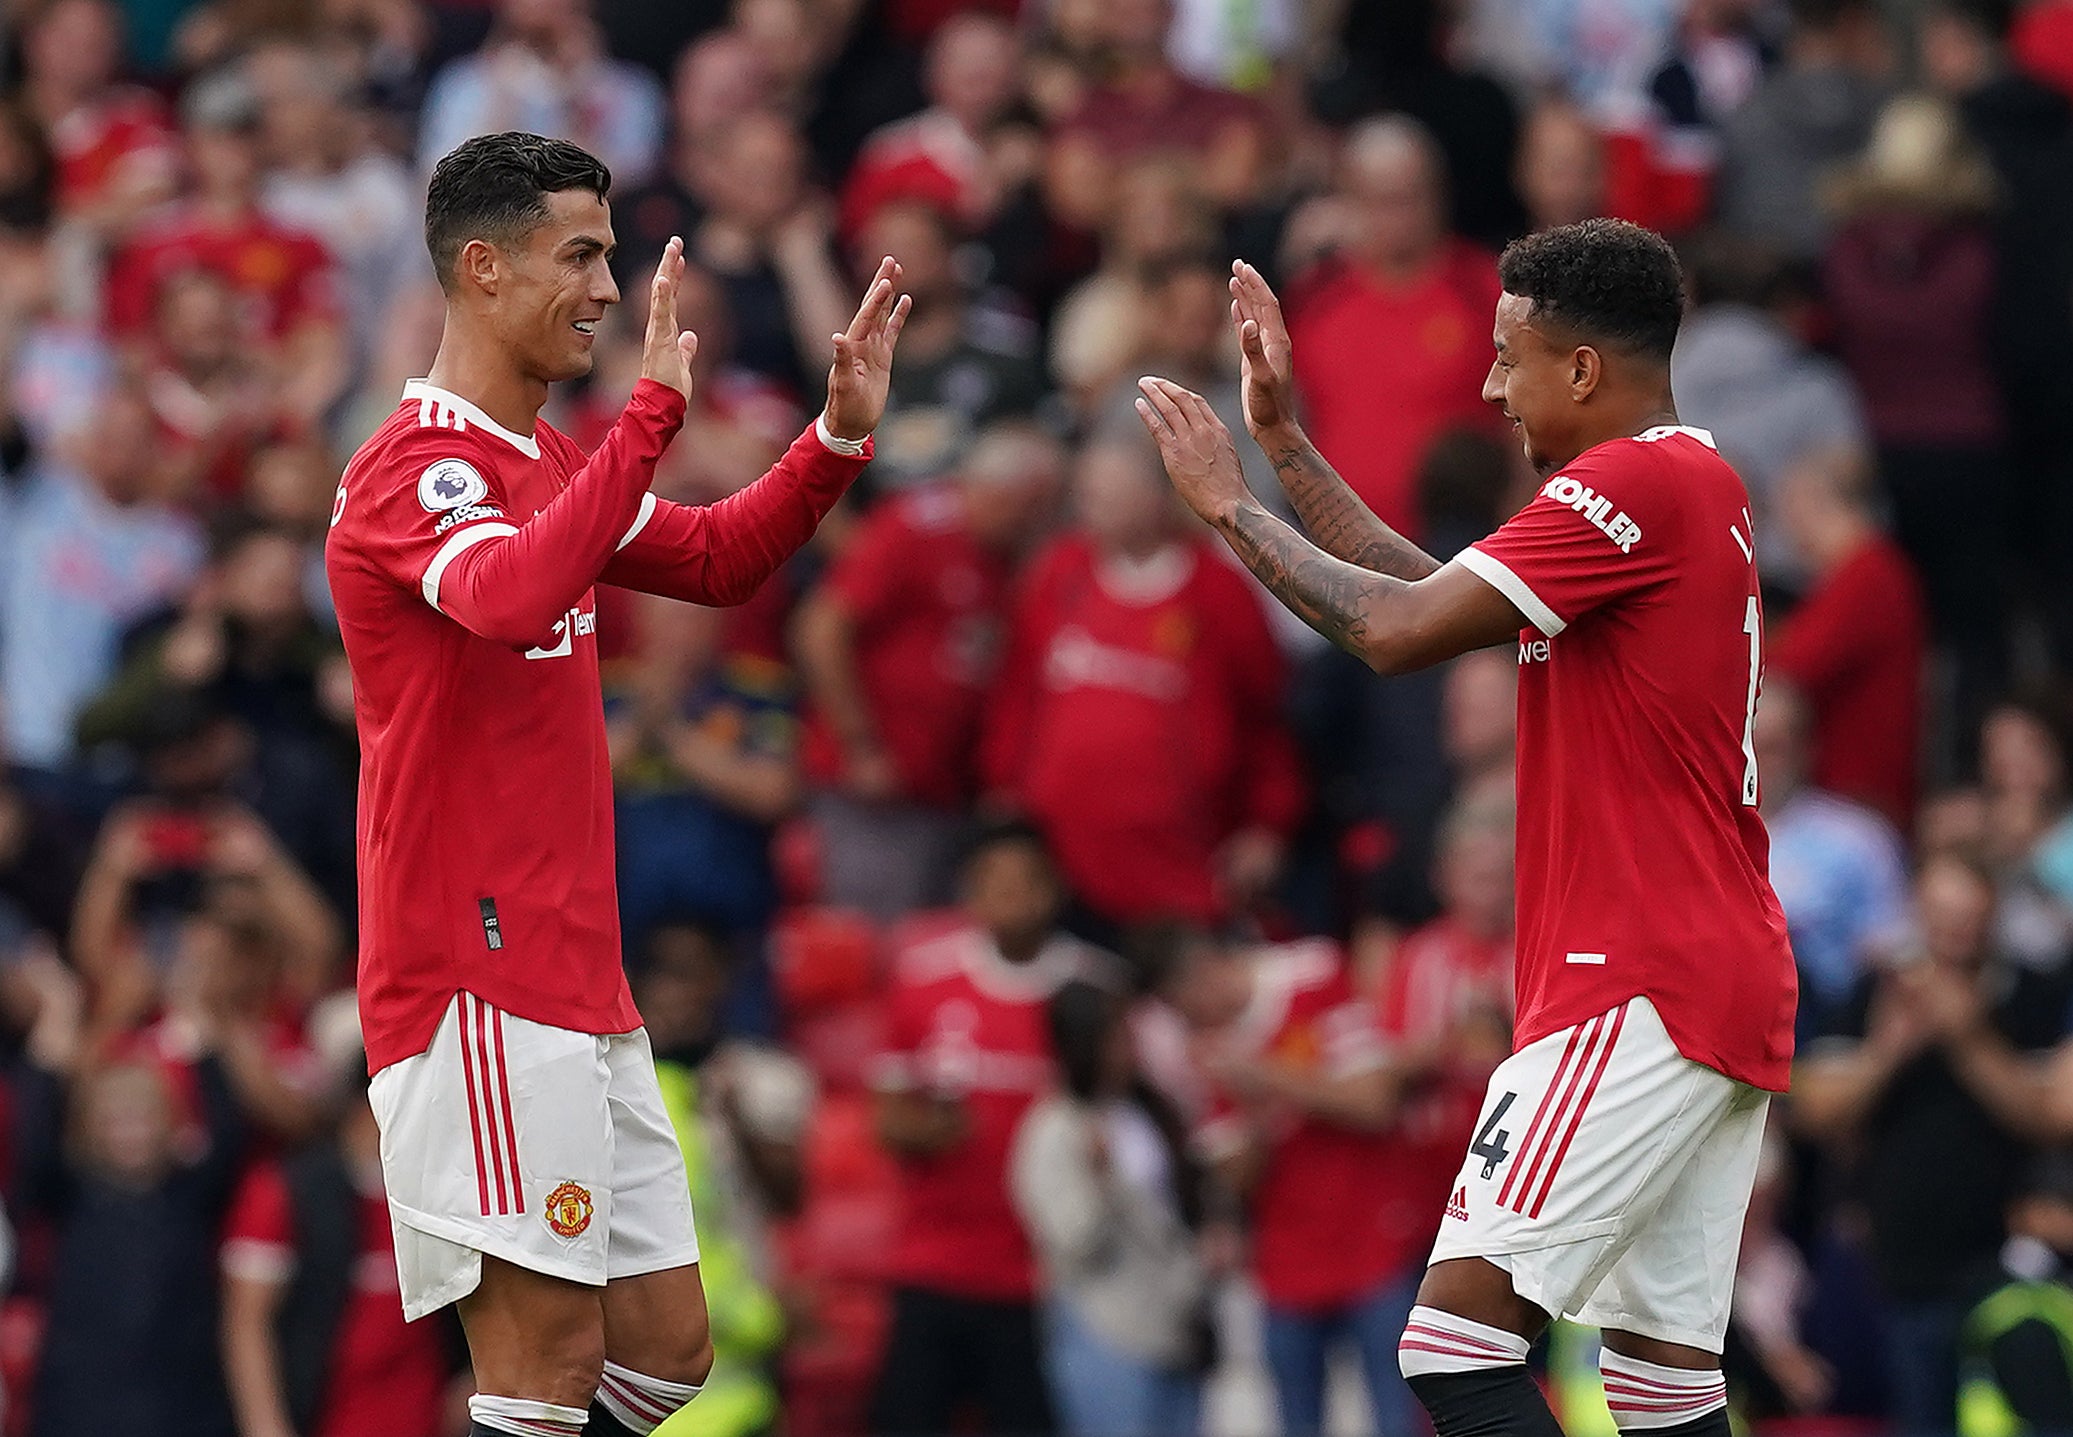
{"x":1609,"y":281}
{"x":496,"y":186}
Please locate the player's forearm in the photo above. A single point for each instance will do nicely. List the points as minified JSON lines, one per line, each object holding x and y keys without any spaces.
{"x":252,"y":1359}
{"x":1333,"y":514}
{"x":1367,"y":613}
{"x":512,"y":589}
{"x":720,"y":554}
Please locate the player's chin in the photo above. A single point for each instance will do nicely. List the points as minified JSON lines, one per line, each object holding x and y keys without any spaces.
{"x":572,"y":364}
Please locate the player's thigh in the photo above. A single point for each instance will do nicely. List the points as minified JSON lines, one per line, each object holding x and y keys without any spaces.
{"x":1675,"y":1281}
{"x":655,"y":1313}
{"x":1580,"y":1137}
{"x":495,"y":1141}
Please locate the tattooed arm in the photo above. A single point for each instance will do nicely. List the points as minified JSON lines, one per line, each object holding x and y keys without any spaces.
{"x":1392,"y":624}
{"x":1336,"y":518}
{"x":1331,"y":511}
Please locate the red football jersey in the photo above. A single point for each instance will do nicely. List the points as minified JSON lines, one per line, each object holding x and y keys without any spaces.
{"x":1330,"y":1216}
{"x":1644,"y":869}
{"x":462,"y":559}
{"x":965,"y":1023}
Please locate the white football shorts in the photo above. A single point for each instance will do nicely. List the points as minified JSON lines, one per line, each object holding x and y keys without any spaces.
{"x":547,"y":1148}
{"x":1609,"y":1175}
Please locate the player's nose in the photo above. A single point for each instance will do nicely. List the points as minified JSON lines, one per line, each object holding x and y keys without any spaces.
{"x":603,"y":288}
{"x":1493,"y":385}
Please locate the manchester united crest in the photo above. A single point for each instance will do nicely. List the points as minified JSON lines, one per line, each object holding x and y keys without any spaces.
{"x":568,"y":1209}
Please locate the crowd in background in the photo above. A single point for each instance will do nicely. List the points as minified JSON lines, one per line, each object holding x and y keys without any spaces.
{"x":1072,"y":981}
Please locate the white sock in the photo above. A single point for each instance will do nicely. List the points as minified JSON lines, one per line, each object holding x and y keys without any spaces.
{"x":1436,"y":1341}
{"x":1645,"y":1395}
{"x":526,"y":1418}
{"x":638,"y":1402}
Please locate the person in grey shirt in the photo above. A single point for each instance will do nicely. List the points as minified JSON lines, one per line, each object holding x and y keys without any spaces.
{"x":1101,"y":1177}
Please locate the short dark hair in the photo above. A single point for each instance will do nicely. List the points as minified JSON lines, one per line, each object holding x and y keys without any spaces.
{"x":496,"y":187}
{"x":986,"y":835}
{"x":1611,"y":282}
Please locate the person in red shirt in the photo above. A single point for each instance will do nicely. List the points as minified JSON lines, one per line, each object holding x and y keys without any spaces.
{"x":967,"y":1053}
{"x":1145,"y":107}
{"x":1302,"y":1094}
{"x":1617,"y":1149}
{"x":114,"y":144}
{"x":467,"y":541}
{"x":1857,"y":644}
{"x":314,"y":1339}
{"x":283,"y":278}
{"x":1137,"y":718}
{"x":899,"y":647}
{"x":1384,"y":302}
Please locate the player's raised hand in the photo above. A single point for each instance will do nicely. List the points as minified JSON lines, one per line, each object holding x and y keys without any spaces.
{"x":1195,"y":447}
{"x":863,"y":368}
{"x":1265,"y":354}
{"x":666,"y":356}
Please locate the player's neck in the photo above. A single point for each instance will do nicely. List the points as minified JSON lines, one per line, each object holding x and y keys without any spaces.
{"x":483,"y":374}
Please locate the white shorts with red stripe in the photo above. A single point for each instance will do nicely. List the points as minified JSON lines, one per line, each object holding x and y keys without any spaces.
{"x":547,"y":1148}
{"x":1609,"y":1175}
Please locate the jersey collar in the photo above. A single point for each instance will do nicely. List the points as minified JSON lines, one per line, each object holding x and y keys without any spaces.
{"x":443,"y":409}
{"x":1664,"y":431}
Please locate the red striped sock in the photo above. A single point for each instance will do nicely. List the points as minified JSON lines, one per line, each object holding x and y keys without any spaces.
{"x":1436,"y":1341}
{"x":523,"y":1417}
{"x":1647,"y":1395}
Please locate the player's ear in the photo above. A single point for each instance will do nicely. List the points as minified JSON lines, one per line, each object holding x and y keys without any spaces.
{"x":479,"y":265}
{"x":1586,"y":368}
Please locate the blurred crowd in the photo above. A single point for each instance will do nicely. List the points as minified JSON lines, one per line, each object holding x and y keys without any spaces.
{"x":1073,"y":982}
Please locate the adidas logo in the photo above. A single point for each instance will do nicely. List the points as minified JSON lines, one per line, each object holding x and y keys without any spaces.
{"x":1457,"y":1205}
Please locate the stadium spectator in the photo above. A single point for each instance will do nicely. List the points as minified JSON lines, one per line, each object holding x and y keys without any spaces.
{"x":2026,"y":131}
{"x":1856,"y":644}
{"x":899,"y":646}
{"x":212,"y":398}
{"x":543,"y":68}
{"x":329,"y":177}
{"x":1924,"y":1076}
{"x":2017,"y":1371}
{"x":1743,"y":370}
{"x":765,"y":237}
{"x":1383,"y":300}
{"x":1136,"y":715}
{"x":1303,"y":1095}
{"x":135,"y":1211}
{"x":86,"y":549}
{"x":313,"y":1333}
{"x":2025,"y":826}
{"x":42,"y":854}
{"x":1099,"y":323}
{"x":1911,"y":273}
{"x":960,"y":154}
{"x":1112,"y":1197}
{"x":969,"y":360}
{"x":740,"y":1108}
{"x":1837,"y":865}
{"x":1141,"y":105}
{"x":1583,"y":48}
{"x":966,"y":1055}
{"x":283,"y":278}
{"x":1814,"y":111}
{"x":113,"y":143}
{"x":1560,"y":172}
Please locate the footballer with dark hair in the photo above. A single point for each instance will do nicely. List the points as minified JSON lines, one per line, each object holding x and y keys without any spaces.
{"x":1615,"y":1152}
{"x":533,"y":1175}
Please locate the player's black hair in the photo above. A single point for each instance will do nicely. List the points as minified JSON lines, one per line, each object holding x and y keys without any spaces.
{"x":1610,"y":282}
{"x":496,"y":187}
{"x":1081,"y":1016}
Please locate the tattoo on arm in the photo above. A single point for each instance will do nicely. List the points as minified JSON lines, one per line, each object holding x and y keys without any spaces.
{"x":1337,"y":598}
{"x":1336,"y":518}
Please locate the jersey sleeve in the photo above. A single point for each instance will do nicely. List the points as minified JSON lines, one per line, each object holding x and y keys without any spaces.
{"x":259,"y":1232}
{"x":1597,"y":533}
{"x":442,"y":526}
{"x":722,"y":553}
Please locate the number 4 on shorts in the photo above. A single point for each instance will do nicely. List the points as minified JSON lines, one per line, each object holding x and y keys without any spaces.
{"x":1490,"y":1142}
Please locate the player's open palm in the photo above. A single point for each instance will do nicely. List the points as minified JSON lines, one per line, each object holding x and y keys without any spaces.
{"x":666,"y":353}
{"x":862,"y":373}
{"x":1195,"y":447}
{"x":1266,"y":358}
